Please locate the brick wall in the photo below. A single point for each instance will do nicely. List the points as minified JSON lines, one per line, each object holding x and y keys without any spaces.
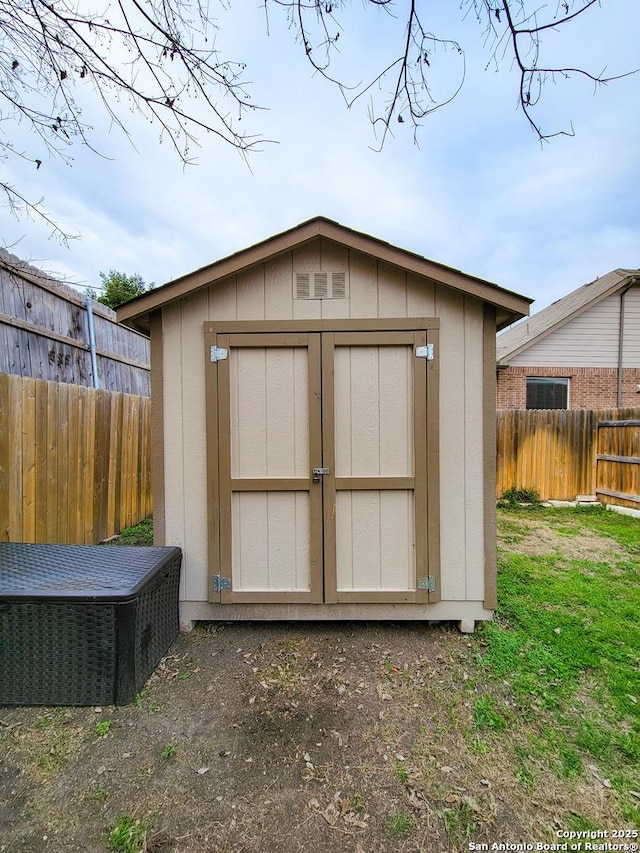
{"x":589,"y":387}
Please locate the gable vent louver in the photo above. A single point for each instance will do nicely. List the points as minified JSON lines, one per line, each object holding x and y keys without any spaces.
{"x":302,"y":285}
{"x":339,"y":285}
{"x":321,"y":285}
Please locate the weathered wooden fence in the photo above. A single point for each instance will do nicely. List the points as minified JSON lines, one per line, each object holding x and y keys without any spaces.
{"x":74,"y":462}
{"x":44,"y":333}
{"x":618,"y":463}
{"x":552,"y":450}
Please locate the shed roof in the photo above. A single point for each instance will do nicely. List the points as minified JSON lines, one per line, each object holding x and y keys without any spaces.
{"x":514,"y":341}
{"x":510,"y":306}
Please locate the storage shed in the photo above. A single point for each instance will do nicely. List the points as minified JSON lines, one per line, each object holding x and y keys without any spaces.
{"x":323,"y":430}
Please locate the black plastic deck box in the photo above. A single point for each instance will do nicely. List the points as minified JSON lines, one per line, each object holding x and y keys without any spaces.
{"x":84,"y":624}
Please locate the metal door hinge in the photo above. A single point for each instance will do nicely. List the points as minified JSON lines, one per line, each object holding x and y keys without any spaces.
{"x":220,"y":583}
{"x":427,"y":583}
{"x":425,"y":352}
{"x":219,"y":354}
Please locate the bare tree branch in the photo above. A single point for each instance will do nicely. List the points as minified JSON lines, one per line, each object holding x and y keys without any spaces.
{"x":156,"y":57}
{"x":533,"y":75}
{"x":159,"y":58}
{"x":20,"y":207}
{"x":513,"y":31}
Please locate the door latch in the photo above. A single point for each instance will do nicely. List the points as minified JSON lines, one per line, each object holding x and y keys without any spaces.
{"x":319,"y":472}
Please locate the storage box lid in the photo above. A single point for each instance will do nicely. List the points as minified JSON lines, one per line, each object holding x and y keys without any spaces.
{"x":96,"y":572}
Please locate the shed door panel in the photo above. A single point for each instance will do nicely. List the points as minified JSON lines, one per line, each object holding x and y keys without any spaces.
{"x":375,"y":542}
{"x":374,"y":436}
{"x":373,"y":410}
{"x":269,"y":413}
{"x":353,"y":404}
{"x":271,"y":538}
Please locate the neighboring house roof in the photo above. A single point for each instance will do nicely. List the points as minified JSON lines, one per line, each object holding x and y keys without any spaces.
{"x":514,"y":341}
{"x":510,"y":306}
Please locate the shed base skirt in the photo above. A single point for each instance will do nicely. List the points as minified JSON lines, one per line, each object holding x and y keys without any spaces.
{"x":457,"y":611}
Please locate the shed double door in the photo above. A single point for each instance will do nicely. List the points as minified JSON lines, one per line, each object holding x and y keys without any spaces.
{"x":320,"y":467}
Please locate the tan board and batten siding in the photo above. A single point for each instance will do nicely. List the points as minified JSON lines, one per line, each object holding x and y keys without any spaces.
{"x":591,"y":339}
{"x":376,"y":291}
{"x":462,"y":421}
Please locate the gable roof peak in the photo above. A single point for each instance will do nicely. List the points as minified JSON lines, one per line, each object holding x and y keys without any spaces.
{"x":523,"y":335}
{"x":510,"y":305}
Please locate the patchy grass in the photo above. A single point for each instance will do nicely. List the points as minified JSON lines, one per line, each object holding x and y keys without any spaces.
{"x":399,"y":824}
{"x":128,"y":835}
{"x":513,"y":498}
{"x":487,"y":716}
{"x":460,"y":823}
{"x":566,"y":645}
{"x":103,"y":728}
{"x":140,"y":534}
{"x":348,"y":737}
{"x":169,"y":751}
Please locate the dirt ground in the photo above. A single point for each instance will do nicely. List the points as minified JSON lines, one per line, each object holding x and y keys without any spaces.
{"x":282,"y":737}
{"x":535,"y":537}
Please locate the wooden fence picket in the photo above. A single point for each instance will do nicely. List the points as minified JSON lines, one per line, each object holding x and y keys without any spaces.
{"x":555,"y":452}
{"x":618,"y":462}
{"x":74,"y":461}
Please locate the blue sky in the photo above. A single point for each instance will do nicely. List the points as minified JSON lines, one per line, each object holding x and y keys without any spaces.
{"x":479,"y":193}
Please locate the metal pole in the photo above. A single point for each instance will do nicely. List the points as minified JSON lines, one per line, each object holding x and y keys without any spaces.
{"x":92,"y":343}
{"x":623,"y":294}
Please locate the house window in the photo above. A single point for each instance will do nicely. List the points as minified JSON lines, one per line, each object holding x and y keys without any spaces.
{"x":547,"y":392}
